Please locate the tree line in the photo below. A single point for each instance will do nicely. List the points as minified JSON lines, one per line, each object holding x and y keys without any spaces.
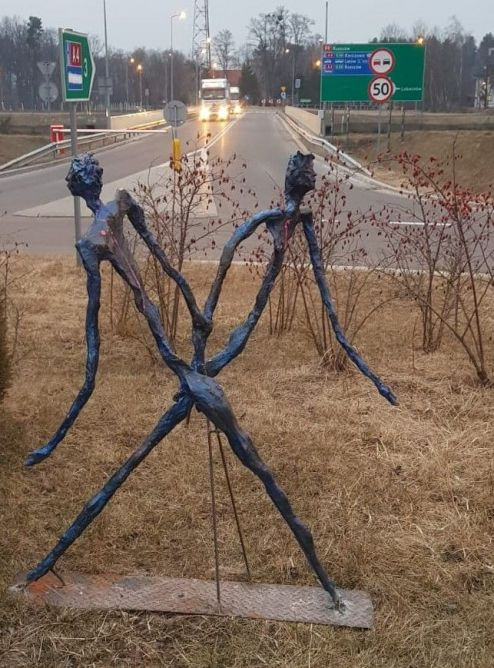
{"x":282,"y":48}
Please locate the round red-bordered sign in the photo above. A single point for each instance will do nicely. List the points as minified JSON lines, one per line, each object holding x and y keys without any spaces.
{"x":380,"y":89}
{"x":382,"y":61}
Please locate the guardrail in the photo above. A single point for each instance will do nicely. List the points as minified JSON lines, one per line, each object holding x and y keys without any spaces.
{"x":326,"y":145}
{"x":103,"y":137}
{"x":96,"y":139}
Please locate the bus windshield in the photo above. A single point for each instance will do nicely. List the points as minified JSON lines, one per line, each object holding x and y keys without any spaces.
{"x":213,"y":93}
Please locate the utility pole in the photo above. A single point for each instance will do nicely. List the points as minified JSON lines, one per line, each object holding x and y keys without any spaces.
{"x":107,"y":74}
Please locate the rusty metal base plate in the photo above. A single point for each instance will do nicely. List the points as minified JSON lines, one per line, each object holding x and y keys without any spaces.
{"x":188,"y":596}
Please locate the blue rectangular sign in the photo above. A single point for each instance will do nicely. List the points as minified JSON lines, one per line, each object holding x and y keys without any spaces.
{"x":343,"y":63}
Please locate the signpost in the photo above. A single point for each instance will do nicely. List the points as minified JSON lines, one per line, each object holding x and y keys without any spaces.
{"x":372,"y":72}
{"x":77,"y":71}
{"x":175,"y":113}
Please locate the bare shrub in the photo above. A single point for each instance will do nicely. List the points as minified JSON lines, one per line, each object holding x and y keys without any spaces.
{"x":443,"y":260}
{"x":185,"y":210}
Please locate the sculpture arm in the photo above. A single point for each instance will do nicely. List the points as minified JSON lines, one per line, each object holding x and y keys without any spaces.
{"x":241,"y":233}
{"x":135,"y":214}
{"x":322,"y":283}
{"x":150,"y":312}
{"x":240,"y":335}
{"x":91,"y":265}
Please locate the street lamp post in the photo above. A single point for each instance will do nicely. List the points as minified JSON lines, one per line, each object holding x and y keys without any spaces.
{"x":139,"y":70}
{"x":107,"y":73}
{"x":127,"y":63}
{"x":178,"y":15}
{"x":293,"y":74}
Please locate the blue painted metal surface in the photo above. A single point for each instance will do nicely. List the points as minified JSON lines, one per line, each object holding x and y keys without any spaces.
{"x":105,"y":241}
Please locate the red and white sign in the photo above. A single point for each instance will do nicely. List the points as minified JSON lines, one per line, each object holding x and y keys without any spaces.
{"x":381,"y":89}
{"x":381,"y":61}
{"x":75,"y":59}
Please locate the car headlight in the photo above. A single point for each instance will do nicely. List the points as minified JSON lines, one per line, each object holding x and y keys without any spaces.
{"x":223,"y":112}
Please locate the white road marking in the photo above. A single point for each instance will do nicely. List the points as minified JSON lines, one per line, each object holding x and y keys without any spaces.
{"x":417,"y":223}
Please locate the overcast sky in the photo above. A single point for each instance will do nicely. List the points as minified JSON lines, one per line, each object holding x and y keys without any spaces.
{"x":133,"y":23}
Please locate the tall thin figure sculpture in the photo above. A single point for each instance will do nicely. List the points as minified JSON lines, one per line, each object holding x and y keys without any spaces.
{"x":105,"y":240}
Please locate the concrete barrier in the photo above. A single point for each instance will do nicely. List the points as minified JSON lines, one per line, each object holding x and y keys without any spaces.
{"x":308,"y":119}
{"x":128,"y":121}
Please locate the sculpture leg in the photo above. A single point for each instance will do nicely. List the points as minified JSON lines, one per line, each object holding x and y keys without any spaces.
{"x":244,"y":449}
{"x":91,"y":265}
{"x":211,"y":400}
{"x":92,"y":509}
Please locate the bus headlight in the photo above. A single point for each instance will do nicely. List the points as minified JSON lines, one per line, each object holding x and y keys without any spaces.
{"x":204,"y":114}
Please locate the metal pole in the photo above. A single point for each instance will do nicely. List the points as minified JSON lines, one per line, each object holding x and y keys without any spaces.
{"x":107,"y":74}
{"x":77,"y":201}
{"x":127,"y":82}
{"x":390,"y":120}
{"x":326,"y":31}
{"x":140,"y":87}
{"x":293,"y":78}
{"x":213,"y":504}
{"x":171,"y":57}
{"x":379,"y":129}
{"x":234,"y":505}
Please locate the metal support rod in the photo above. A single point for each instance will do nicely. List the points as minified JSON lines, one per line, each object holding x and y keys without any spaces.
{"x":77,"y":201}
{"x":107,"y":74}
{"x":234,"y":505}
{"x":390,"y":121}
{"x":213,"y":508}
{"x":379,"y":129}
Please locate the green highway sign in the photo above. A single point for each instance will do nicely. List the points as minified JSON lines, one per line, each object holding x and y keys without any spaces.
{"x":372,"y":72}
{"x":76,"y":66}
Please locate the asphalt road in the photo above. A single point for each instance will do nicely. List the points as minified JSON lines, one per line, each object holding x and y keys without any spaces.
{"x":37,"y":211}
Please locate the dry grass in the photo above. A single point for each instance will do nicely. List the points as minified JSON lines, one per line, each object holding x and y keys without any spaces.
{"x":401,"y":500}
{"x":13,"y":146}
{"x":475,"y":148}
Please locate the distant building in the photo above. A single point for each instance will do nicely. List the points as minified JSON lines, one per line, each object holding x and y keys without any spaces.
{"x":233,"y":76}
{"x":480,"y":85}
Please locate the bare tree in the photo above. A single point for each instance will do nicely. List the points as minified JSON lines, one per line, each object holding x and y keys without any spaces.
{"x":224,"y":48}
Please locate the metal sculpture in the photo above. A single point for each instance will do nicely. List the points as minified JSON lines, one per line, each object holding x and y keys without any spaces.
{"x":105,"y":241}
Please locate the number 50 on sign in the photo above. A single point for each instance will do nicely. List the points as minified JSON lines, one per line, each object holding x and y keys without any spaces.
{"x":381,"y":89}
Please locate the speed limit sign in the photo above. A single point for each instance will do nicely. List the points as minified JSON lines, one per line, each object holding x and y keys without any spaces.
{"x":381,"y":89}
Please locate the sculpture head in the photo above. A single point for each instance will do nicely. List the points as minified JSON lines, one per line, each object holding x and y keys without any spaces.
{"x":300,"y":176}
{"x":85,"y":179}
